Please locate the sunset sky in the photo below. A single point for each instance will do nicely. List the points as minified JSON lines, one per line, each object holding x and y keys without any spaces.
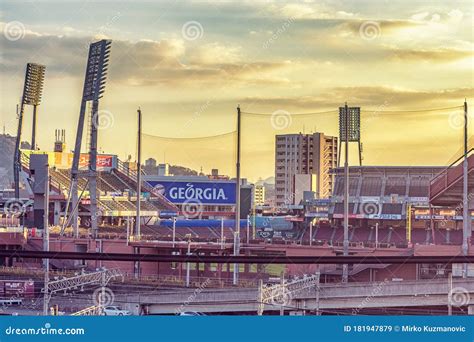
{"x":188,"y":64}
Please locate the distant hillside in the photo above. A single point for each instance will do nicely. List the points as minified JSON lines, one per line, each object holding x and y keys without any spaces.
{"x":182,"y":171}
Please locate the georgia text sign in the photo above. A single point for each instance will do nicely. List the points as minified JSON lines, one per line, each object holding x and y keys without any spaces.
{"x":196,"y":192}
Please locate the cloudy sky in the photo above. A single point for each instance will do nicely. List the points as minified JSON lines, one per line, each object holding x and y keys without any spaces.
{"x":188,"y":64}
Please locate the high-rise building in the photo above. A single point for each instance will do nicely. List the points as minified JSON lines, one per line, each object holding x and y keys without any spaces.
{"x":297,"y":154}
{"x":258,"y":195}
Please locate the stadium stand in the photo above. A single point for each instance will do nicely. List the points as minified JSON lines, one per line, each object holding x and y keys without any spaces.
{"x":395,"y":186}
{"x":371,"y":186}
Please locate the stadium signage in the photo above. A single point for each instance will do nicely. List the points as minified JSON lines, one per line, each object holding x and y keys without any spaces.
{"x":206,"y":193}
{"x":190,"y":192}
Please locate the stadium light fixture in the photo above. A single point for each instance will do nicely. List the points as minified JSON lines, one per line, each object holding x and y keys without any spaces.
{"x":94,"y":87}
{"x":32,"y":92}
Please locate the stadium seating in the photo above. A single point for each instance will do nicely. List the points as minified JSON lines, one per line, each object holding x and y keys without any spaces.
{"x":371,"y":186}
{"x":395,"y":186}
{"x":419,"y":187}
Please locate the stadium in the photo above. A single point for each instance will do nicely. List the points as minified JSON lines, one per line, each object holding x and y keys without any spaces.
{"x":82,"y":210}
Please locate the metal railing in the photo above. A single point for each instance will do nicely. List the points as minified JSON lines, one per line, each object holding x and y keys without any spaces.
{"x":95,"y":310}
{"x":445,"y":171}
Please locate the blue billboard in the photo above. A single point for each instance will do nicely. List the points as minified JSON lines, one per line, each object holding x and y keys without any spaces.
{"x":206,"y":193}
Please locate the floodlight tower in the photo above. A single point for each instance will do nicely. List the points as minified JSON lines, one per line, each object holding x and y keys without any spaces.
{"x":32,"y":91}
{"x":94,"y":85}
{"x":349,"y":131}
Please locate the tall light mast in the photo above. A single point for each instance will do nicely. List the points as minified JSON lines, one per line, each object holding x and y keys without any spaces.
{"x":94,"y":86}
{"x":32,"y":91}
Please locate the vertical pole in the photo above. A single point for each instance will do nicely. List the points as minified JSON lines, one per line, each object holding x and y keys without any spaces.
{"x":409,"y":221}
{"x":75,"y":171}
{"x":17,"y":156}
{"x":248,"y":229}
{"x":450,"y":294}
{"x":188,"y":264}
{"x":174,"y":231}
{"x":46,"y":241}
{"x":139,"y":174}
{"x":430,"y":209}
{"x":376,"y":235}
{"x":465,"y":201}
{"x":253,"y":223}
{"x":283,"y":290}
{"x":318,"y":292}
{"x":128,"y":230}
{"x":222,"y":233}
{"x":236,"y":253}
{"x":345,"y":270}
{"x":93,"y":167}
{"x":33,"y":129}
{"x":237,"y":198}
{"x":311,"y":233}
{"x":360,"y":153}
